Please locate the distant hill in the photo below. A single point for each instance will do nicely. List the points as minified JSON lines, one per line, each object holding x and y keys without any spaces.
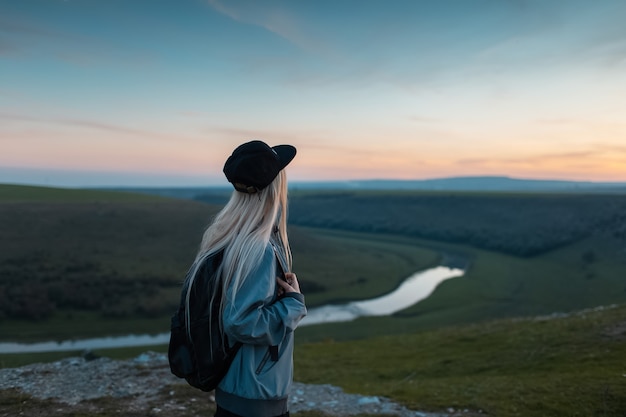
{"x":492,"y":184}
{"x":469,"y":184}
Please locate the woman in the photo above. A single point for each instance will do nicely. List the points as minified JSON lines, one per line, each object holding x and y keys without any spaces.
{"x":259,"y":309}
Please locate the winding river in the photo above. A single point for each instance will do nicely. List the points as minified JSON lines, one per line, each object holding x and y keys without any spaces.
{"x":412,"y":290}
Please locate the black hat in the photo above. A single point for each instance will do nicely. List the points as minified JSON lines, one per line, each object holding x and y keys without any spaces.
{"x":254,"y":165}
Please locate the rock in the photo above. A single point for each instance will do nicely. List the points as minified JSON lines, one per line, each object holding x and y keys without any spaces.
{"x":88,"y":355}
{"x":368,"y":400}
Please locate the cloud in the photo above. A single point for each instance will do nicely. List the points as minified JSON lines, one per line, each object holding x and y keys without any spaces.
{"x":89,"y":124}
{"x":528,"y":160}
{"x":16,"y":35}
{"x":610,"y":53}
{"x":579,"y":123}
{"x":613,"y":149}
{"x":600,"y":159}
{"x":558,"y":121}
{"x":16,"y":26}
{"x":275,"y":20}
{"x":325,"y":147}
{"x":420,"y":45}
{"x":22,"y":36}
{"x":271,"y":136}
{"x":561,"y":36}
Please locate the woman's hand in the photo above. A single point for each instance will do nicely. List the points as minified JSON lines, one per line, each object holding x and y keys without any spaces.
{"x":289,"y":284}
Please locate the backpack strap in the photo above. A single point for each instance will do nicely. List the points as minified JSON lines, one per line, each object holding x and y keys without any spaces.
{"x":282,"y":266}
{"x":280,"y":257}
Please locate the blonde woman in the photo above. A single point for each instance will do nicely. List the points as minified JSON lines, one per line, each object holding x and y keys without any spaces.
{"x":262,"y":303}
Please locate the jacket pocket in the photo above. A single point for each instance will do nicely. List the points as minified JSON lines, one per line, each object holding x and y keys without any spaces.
{"x":266,"y":358}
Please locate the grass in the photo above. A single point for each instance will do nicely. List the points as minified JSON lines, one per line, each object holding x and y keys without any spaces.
{"x":15,"y":360}
{"x":80,"y":325}
{"x":574,"y":366}
{"x":10,"y":193}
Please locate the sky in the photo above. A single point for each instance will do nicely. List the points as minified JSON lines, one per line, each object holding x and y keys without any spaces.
{"x":159,"y":92}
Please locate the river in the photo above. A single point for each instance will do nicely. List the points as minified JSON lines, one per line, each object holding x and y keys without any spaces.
{"x":414,"y":289}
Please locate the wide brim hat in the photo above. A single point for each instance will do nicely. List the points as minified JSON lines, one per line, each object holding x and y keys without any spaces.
{"x":254,"y":165}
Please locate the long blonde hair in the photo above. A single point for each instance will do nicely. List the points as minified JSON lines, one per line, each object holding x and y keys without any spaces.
{"x":242,"y":230}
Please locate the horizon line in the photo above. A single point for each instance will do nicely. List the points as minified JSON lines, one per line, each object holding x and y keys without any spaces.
{"x":355,"y":183}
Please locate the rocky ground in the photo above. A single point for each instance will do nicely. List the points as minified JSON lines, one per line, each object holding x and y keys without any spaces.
{"x":144,"y":386}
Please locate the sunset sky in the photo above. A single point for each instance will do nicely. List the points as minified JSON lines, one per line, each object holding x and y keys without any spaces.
{"x":156,"y":92}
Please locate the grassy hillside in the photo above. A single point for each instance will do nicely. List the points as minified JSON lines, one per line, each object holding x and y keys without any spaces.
{"x":535,"y":367}
{"x":586,"y":274}
{"x":93,"y":250}
{"x":69,"y":259}
{"x":10,"y":193}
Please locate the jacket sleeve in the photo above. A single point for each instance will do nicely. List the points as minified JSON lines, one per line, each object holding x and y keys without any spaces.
{"x":253,"y":317}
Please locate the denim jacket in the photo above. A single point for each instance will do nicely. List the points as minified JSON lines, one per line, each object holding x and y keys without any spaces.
{"x":259,"y":380}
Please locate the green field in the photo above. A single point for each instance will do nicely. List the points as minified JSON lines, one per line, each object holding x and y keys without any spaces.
{"x":571,"y":366}
{"x":80,"y":263}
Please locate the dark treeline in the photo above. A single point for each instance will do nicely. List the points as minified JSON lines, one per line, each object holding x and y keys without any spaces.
{"x":516,"y":224}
